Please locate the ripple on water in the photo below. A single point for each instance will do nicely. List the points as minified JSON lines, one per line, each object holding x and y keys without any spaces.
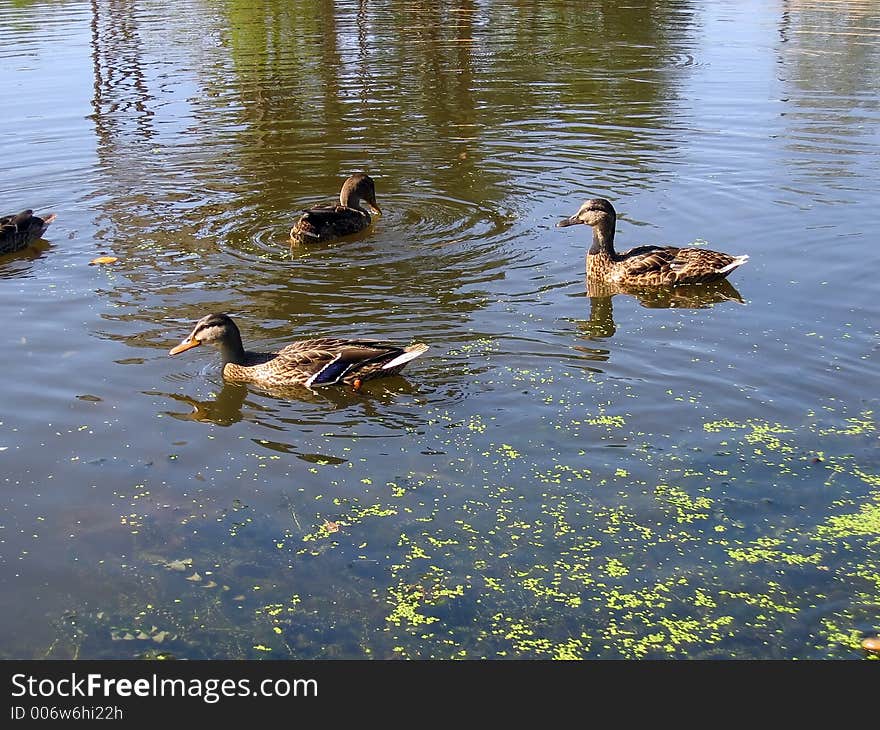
{"x":412,"y":223}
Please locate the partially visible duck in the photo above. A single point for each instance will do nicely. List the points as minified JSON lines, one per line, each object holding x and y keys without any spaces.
{"x":18,"y":231}
{"x":311,"y":363}
{"x":645,"y":265}
{"x":329,"y":222}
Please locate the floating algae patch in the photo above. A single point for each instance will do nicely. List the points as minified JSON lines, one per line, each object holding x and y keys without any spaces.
{"x":663,"y":620}
{"x":763,"y":436}
{"x":861,"y":425}
{"x":765,"y":550}
{"x":756,"y":540}
{"x":865,"y":522}
{"x":686,"y":508}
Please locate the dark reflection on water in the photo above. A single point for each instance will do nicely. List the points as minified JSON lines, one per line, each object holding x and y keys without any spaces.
{"x":601,"y":326}
{"x":226,"y":407}
{"x":621,"y":474}
{"x":224,"y":410}
{"x":20,"y":263}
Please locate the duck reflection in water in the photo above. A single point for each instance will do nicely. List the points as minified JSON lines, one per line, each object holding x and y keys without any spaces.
{"x":223,"y":410}
{"x":228,"y":405}
{"x":600,"y":326}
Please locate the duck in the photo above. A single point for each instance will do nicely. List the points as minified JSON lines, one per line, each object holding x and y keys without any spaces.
{"x":645,"y":266}
{"x":19,"y":230}
{"x":329,"y":222}
{"x":311,"y":363}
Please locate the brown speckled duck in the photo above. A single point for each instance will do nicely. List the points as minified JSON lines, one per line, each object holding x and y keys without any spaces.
{"x":329,"y":222}
{"x":18,"y":231}
{"x":310,"y":363}
{"x":645,"y":265}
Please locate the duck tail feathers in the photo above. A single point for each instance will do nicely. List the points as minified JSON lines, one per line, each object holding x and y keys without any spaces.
{"x":409,"y":353}
{"x":736,"y":263}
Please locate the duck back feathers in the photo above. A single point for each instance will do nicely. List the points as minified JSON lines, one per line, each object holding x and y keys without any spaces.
{"x":22,"y":229}
{"x":329,"y":222}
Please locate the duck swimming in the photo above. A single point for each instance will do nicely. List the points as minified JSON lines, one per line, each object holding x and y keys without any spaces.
{"x":22,"y":229}
{"x":329,"y":222}
{"x":311,"y":363}
{"x":645,"y":265}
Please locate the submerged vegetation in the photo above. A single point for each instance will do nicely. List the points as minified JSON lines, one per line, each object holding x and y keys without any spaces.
{"x":564,"y":557}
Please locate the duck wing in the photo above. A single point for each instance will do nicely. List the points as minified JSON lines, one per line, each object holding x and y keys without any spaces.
{"x":330,"y":221}
{"x":702,"y":261}
{"x":643,"y":260}
{"x":328,"y":360}
{"x":673,"y":265}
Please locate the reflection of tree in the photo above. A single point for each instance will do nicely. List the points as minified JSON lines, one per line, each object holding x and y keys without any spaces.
{"x":298,"y":94}
{"x":286,"y":84}
{"x":811,"y":33}
{"x":207,"y":143}
{"x":333,"y":87}
{"x":605,"y":66}
{"x":830,"y":62}
{"x":337,"y":92}
{"x":122,"y":98}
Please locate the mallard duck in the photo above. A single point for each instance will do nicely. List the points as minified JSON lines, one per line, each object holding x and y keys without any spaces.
{"x":18,"y":231}
{"x":645,"y":265}
{"x":311,"y":363}
{"x":329,"y":222}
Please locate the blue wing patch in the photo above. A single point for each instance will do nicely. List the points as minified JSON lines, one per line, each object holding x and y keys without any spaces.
{"x":331,"y":372}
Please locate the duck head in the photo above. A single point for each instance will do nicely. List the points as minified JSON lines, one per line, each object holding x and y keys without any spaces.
{"x":213,"y":329}
{"x":596,"y":212}
{"x":357,"y":190}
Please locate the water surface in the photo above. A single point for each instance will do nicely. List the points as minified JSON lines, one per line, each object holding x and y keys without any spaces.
{"x":690,"y":475}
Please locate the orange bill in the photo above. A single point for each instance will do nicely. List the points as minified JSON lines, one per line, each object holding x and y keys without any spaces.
{"x":184,"y":346}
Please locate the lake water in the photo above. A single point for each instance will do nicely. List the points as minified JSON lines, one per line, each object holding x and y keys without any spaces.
{"x":694,"y":475}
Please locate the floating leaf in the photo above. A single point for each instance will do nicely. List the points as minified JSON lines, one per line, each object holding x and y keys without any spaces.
{"x":179,"y":565}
